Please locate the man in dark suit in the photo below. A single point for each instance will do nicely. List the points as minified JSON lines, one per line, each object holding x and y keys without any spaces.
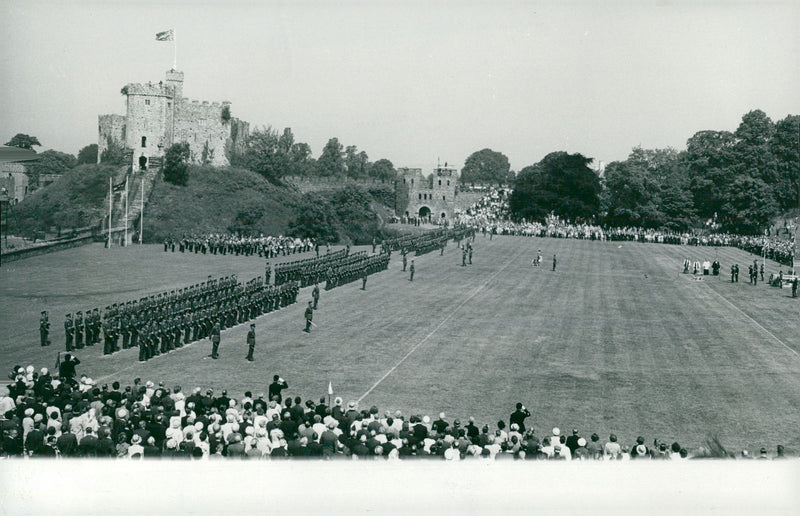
{"x":278,"y":384}
{"x":88,"y":445}
{"x":518,"y":417}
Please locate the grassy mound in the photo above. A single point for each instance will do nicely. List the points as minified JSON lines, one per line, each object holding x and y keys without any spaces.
{"x":218,"y":200}
{"x":74,"y":201}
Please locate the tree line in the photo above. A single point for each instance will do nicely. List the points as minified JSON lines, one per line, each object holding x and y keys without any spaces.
{"x":738,"y":181}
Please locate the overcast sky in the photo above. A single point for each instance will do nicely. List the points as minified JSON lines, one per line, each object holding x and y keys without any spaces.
{"x":413,"y":81}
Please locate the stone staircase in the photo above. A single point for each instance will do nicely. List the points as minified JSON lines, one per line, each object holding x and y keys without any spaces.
{"x":135,"y":180}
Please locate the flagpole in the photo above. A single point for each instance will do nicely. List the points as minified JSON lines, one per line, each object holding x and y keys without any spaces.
{"x":174,"y":49}
{"x":110,"y":204}
{"x":141,"y":214}
{"x":125,"y":242}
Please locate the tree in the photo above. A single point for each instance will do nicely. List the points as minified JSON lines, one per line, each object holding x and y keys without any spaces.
{"x":88,"y":155}
{"x":382,"y":170}
{"x":785,"y":149}
{"x":261,"y":153}
{"x":710,"y":158}
{"x":560,"y":183}
{"x":649,"y":189}
{"x":24,"y":141}
{"x":114,"y":153}
{"x":301,"y":162}
{"x":316,"y":219}
{"x":176,"y":168}
{"x":331,"y":162}
{"x":356,"y":163}
{"x":50,"y":162}
{"x":748,"y":205}
{"x":486,"y":166}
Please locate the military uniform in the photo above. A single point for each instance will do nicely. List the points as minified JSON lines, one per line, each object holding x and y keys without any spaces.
{"x":44,"y":329}
{"x":251,"y":342}
{"x":309,"y":315}
{"x":69,"y":331}
{"x":79,"y":330}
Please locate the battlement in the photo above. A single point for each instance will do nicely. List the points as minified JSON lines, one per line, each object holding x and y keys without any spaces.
{"x":149,"y":89}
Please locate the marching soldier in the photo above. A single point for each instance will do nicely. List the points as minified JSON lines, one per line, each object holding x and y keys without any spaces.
{"x":44,"y":329}
{"x":405,"y":260}
{"x":469,"y":251}
{"x":364,"y":280}
{"x":411,"y":269}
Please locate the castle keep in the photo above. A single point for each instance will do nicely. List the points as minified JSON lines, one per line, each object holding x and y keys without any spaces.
{"x":158,"y":116}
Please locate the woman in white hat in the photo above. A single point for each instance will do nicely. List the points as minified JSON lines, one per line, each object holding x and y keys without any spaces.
{"x":136,"y":450}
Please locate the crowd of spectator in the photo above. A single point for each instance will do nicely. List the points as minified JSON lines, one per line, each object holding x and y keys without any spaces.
{"x":490,"y":214}
{"x":229,"y":244}
{"x":49,"y":416}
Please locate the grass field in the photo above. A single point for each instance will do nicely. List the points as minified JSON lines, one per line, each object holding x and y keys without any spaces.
{"x":616,"y":340}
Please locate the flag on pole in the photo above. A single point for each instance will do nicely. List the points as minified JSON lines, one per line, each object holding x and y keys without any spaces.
{"x":330,"y":388}
{"x":120,"y":187}
{"x":167,"y":35}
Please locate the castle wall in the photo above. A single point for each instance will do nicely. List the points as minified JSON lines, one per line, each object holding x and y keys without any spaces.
{"x":109,"y":126}
{"x":201,"y":123}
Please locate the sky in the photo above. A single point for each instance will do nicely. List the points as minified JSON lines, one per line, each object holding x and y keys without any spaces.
{"x":413,"y":81}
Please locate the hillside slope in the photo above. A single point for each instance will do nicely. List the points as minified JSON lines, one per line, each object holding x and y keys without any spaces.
{"x":218,"y":200}
{"x":76,"y":200}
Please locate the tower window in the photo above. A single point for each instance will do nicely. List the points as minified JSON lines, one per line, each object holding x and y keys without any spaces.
{"x":144,"y":141}
{"x":443,"y":198}
{"x":146,"y":102}
{"x":448,"y":182}
{"x":440,"y":182}
{"x":420,"y":196}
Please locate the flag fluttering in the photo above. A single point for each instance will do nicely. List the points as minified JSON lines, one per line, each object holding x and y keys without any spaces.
{"x":167,"y":35}
{"x":330,"y":388}
{"x":120,"y":187}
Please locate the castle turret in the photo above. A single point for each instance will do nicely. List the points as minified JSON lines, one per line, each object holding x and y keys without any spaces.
{"x":175,"y":79}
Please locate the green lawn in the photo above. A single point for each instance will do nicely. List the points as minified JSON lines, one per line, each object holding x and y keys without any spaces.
{"x":616,"y":340}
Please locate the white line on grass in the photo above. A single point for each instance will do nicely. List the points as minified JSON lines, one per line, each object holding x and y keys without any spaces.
{"x":755,"y":322}
{"x":420,"y":343}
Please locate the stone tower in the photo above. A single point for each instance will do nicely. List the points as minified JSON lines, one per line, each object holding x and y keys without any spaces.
{"x":158,"y":116}
{"x":432,"y":197}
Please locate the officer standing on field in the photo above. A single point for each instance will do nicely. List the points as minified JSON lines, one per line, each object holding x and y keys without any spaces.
{"x":44,"y":329}
{"x":309,"y":315}
{"x":411,"y":278}
{"x":69,"y":330}
{"x":251,"y":342}
{"x":215,"y":338}
{"x":315,"y":295}
{"x":554,"y":262}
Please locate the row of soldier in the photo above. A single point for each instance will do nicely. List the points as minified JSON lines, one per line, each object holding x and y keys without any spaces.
{"x":361,"y":268}
{"x":309,"y":270}
{"x":225,"y":244}
{"x":168,"y":320}
{"x":166,"y":334}
{"x":115,"y":317}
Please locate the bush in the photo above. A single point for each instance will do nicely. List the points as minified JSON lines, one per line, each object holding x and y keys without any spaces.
{"x":176,"y":168}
